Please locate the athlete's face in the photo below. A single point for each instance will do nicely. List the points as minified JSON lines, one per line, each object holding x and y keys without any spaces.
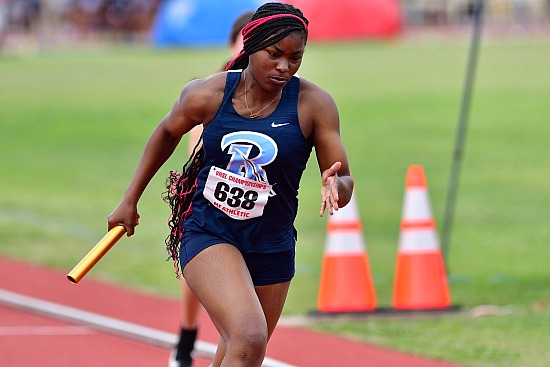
{"x":273,"y":66}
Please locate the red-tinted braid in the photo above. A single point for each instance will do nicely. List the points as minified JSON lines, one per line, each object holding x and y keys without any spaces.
{"x":180,"y":189}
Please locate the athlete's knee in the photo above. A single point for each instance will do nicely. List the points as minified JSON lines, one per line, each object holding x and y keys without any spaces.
{"x":251,"y":352}
{"x":249,"y":344}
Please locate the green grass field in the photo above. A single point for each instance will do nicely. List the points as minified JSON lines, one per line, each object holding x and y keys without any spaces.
{"x":73,"y":125}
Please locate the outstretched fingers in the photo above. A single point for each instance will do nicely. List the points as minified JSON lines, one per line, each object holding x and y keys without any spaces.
{"x":329,"y":190}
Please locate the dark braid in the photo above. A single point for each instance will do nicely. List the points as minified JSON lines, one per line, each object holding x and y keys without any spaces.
{"x":270,"y":23}
{"x":180,"y":189}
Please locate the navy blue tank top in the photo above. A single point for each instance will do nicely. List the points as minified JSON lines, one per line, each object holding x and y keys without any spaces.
{"x":252,"y":153}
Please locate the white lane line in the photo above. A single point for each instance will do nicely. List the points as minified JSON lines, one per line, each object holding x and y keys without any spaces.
{"x":43,"y":330}
{"x":111,"y":325}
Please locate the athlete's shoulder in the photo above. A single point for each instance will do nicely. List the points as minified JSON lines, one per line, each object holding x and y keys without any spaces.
{"x":200,"y":98}
{"x":207,"y":85}
{"x":204,"y":91}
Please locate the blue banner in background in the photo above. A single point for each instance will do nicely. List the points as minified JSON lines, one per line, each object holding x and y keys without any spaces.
{"x":198,"y":22}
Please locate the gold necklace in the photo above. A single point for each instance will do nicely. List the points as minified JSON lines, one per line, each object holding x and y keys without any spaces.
{"x":252,"y":114}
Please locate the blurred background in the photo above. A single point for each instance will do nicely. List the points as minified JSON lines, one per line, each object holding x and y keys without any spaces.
{"x":84,"y":82}
{"x":30,"y":25}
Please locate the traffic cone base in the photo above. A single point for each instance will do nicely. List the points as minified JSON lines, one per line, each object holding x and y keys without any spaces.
{"x":426,"y":286}
{"x":340,"y":277}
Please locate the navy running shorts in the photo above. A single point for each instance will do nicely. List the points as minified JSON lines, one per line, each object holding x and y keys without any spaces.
{"x":264,"y":268}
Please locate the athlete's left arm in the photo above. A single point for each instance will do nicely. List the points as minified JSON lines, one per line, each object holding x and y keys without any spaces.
{"x":337,"y":183}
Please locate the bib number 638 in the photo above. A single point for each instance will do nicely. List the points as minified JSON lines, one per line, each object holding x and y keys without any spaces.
{"x":236,"y":196}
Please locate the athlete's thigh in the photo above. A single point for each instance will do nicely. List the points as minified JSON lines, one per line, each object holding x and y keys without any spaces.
{"x":272,"y":298}
{"x":221,"y":281}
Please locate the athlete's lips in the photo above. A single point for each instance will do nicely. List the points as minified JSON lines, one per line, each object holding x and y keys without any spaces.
{"x":278,"y":80}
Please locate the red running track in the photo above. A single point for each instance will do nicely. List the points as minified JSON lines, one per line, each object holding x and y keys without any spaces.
{"x":33,"y":339}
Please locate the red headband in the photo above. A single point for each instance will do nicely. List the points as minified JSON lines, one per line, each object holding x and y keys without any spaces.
{"x":256,"y":23}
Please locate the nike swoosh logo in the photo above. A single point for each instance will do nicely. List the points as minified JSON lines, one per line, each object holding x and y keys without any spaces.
{"x":278,"y":125}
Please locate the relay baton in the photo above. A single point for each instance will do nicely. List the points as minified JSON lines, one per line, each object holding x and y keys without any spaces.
{"x":95,"y":254}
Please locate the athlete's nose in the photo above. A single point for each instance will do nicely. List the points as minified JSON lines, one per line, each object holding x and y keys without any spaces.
{"x":282,"y":65}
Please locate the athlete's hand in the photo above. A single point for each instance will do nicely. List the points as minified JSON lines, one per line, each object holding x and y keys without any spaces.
{"x":125,"y":215}
{"x":329,"y":190}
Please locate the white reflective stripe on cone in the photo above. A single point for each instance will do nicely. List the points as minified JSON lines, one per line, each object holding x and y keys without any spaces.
{"x":343,"y":243}
{"x":417,"y":205}
{"x":418,"y":240}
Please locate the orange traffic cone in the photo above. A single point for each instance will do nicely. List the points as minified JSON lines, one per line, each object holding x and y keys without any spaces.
{"x":346,"y":284}
{"x":420,"y":278}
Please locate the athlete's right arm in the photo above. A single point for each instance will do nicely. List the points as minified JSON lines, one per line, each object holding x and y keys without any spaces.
{"x":186,"y":113}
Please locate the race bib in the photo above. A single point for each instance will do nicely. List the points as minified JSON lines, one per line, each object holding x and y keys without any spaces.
{"x":238,"y":197}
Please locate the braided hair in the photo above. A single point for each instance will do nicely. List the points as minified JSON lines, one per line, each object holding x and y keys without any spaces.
{"x":270,"y":23}
{"x":180,"y":189}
